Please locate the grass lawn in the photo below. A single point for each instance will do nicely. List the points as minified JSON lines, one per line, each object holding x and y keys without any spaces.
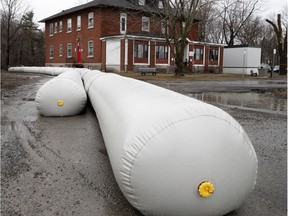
{"x":200,"y":76}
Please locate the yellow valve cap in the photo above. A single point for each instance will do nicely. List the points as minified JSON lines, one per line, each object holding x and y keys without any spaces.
{"x":206,"y":189}
{"x":60,"y":102}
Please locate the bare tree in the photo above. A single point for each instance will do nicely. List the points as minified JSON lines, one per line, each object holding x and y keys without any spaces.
{"x":281,"y":35}
{"x":10,"y":25}
{"x":235,"y":13}
{"x":208,"y":15}
{"x":252,"y":32}
{"x":178,"y":16}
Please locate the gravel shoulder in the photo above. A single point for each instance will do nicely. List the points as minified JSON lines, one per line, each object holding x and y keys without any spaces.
{"x":59,"y":166}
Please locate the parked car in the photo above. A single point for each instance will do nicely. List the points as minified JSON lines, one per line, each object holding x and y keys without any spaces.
{"x":276,"y":69}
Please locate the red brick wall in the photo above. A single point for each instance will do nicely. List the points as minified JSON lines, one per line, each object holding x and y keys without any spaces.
{"x":106,"y":23}
{"x":84,"y":35}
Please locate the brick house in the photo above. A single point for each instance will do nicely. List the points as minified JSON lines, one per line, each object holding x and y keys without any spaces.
{"x":115,"y":35}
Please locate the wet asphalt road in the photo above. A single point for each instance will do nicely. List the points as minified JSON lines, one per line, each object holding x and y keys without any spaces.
{"x":59,"y":166}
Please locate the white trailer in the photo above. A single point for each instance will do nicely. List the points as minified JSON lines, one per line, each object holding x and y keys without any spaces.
{"x":241,"y":59}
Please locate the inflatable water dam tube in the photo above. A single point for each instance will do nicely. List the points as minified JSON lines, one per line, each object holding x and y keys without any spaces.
{"x":63,"y":95}
{"x":171,"y":154}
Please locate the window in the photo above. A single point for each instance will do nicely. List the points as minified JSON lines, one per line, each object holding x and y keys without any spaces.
{"x":164,"y":26}
{"x":91,"y":20}
{"x":69,"y":25}
{"x":51,"y":29}
{"x":213,"y":54}
{"x":78,"y":23}
{"x":141,"y":50}
{"x":145,"y":24}
{"x":160,"y":5}
{"x":51,"y":51}
{"x":60,"y":26}
{"x":162,"y":52}
{"x":90,"y":48}
{"x":198,"y":54}
{"x":69,"y":50}
{"x":60,"y":50}
{"x":141,"y":2}
{"x":123,"y":23}
{"x":56,"y":27}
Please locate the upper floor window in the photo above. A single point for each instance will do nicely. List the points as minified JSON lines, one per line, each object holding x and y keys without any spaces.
{"x":69,"y":50}
{"x":56,"y":27}
{"x":91,"y":20}
{"x":160,"y":5}
{"x":90,"y":48}
{"x":51,"y":51}
{"x":141,"y":2}
{"x":78,"y":23}
{"x":164,"y":26}
{"x":60,"y":26}
{"x":123,"y":23}
{"x":51,"y":29}
{"x":145,"y":24}
{"x":69,"y":25}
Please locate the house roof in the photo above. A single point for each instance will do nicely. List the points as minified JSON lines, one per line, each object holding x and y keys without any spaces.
{"x":128,"y":4}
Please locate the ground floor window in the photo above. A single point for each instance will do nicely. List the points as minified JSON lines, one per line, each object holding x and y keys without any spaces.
{"x":51,"y":51}
{"x":90,"y":48}
{"x":161,"y":54}
{"x":198,"y":54}
{"x":141,"y":52}
{"x":213,"y":54}
{"x":60,"y":50}
{"x":69,"y":50}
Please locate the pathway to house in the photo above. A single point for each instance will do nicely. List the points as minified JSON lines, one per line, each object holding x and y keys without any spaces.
{"x":71,"y":173}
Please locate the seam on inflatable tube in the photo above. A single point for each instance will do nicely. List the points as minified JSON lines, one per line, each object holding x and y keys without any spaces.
{"x":242,"y":132}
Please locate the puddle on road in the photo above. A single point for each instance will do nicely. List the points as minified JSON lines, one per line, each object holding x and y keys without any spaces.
{"x":249,"y":101}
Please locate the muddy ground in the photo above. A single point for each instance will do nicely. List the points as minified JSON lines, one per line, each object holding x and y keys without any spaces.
{"x":59,"y":166}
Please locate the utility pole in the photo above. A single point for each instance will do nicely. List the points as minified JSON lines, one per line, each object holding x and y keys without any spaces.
{"x":273,"y":62}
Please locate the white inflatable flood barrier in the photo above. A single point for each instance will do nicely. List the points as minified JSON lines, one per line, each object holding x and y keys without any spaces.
{"x":63,"y":95}
{"x":171,"y":154}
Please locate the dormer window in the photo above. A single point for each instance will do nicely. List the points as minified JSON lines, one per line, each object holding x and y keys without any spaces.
{"x":146,"y":24}
{"x":160,"y":5}
{"x":142,"y":2}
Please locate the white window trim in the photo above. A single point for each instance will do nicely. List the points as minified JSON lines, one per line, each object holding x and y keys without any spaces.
{"x":68,"y":31}
{"x":71,"y":51}
{"x":123,"y":15}
{"x":79,"y":24}
{"x":90,"y":56}
{"x":93,"y":23}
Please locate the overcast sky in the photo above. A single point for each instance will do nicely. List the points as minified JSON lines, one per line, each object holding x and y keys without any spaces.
{"x":44,"y":9}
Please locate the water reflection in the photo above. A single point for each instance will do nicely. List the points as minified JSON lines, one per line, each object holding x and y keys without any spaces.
{"x":248,"y":100}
